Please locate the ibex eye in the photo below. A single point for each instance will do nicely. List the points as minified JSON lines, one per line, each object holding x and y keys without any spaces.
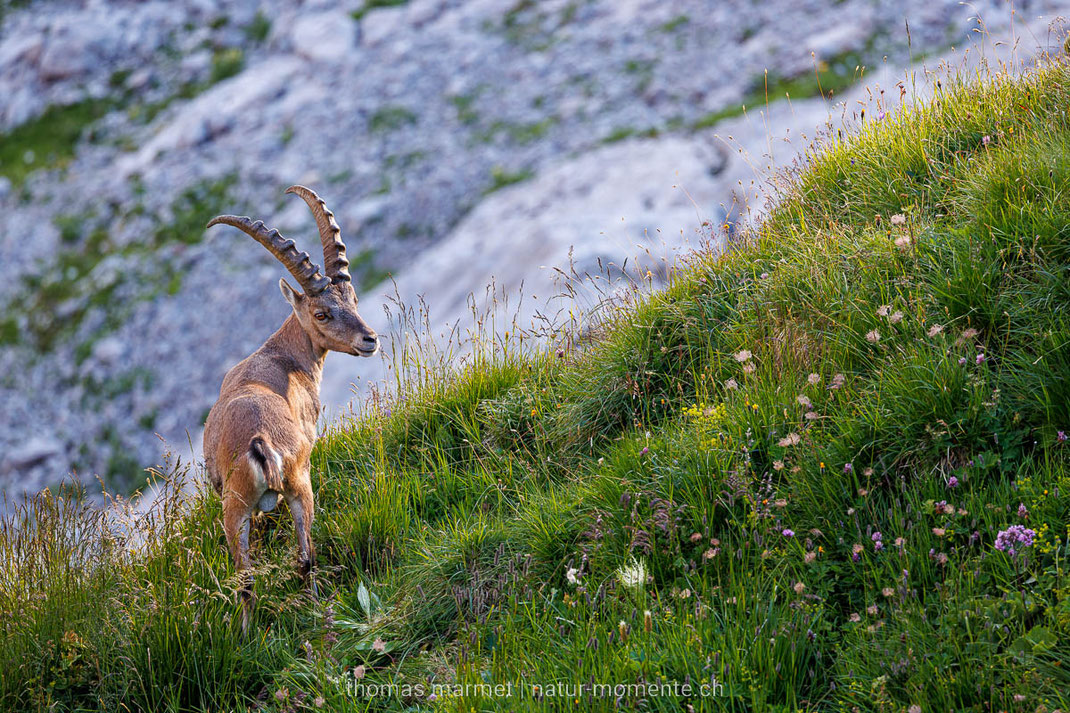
{"x":321,"y":316}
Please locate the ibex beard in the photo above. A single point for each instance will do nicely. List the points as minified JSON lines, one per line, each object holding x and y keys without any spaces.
{"x":260,"y":433}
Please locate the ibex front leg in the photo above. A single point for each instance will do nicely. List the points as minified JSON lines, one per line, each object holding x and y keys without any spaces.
{"x":303,"y":508}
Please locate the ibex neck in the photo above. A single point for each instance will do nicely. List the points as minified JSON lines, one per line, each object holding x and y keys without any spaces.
{"x":291,"y":341}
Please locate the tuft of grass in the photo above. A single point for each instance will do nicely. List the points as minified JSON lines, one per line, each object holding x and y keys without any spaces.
{"x":391,"y":118}
{"x":786,"y":480}
{"x":500,"y":178}
{"x":49,"y":140}
{"x":370,"y":5}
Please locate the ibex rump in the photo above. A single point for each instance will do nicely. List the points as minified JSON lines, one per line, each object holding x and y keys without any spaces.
{"x":260,"y":433}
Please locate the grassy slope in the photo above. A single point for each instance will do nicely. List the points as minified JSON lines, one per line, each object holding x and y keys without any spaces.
{"x":887,"y":357}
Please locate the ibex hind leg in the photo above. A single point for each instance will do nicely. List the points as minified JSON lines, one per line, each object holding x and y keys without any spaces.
{"x":236,"y":516}
{"x":302,"y":507}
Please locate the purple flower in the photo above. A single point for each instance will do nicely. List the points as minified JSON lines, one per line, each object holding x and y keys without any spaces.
{"x":1060,"y":436}
{"x":855,"y":556}
{"x":787,"y":533}
{"x":644,"y":451}
{"x":952,"y":482}
{"x":985,"y":140}
{"x":962,"y":360}
{"x":1023,"y":512}
{"x":1014,"y":537}
{"x":880,"y":116}
{"x":980,"y":359}
{"x":877,"y":537}
{"x":848,"y":468}
{"x":878,"y":546}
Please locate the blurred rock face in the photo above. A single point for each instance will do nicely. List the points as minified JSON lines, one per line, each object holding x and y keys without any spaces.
{"x":459,"y":143}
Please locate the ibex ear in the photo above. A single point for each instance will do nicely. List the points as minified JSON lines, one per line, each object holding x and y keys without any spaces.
{"x":292,"y":296}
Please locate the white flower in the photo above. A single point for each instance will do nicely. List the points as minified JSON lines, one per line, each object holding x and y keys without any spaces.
{"x":814,"y":379}
{"x":803,"y":400}
{"x":743,"y":356}
{"x":935,"y":329}
{"x":789,"y":440}
{"x":896,"y":317}
{"x":884,"y":310}
{"x":633,"y":574}
{"x":572,"y":577}
{"x":731,"y":385}
{"x":899,"y":219}
{"x":873,"y":336}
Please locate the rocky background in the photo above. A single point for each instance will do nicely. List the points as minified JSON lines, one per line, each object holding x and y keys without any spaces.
{"x":460,"y":144}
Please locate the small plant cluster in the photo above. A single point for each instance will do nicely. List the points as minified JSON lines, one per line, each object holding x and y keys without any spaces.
{"x":826,"y":470}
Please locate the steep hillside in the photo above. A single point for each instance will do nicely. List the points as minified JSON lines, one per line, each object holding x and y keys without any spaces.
{"x":827,"y":470}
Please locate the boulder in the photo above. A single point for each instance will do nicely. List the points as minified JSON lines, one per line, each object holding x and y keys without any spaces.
{"x":324,"y":36}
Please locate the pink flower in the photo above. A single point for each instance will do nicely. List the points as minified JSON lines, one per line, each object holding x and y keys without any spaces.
{"x":787,"y":533}
{"x":379,"y":646}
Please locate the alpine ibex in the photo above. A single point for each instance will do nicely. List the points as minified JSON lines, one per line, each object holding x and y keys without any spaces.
{"x":259,"y":434}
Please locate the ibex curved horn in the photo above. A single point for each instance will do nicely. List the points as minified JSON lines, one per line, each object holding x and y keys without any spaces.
{"x":334,"y":250}
{"x":298,"y":263}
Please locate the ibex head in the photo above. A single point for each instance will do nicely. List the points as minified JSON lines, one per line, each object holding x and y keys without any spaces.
{"x":327,"y":307}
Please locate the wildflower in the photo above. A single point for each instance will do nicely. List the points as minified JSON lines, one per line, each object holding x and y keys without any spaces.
{"x":896,"y":317}
{"x":837,"y":381}
{"x":968,"y":334}
{"x":899,"y":542}
{"x":731,"y":385}
{"x":941,"y":558}
{"x":799,"y":587}
{"x":358,"y":672}
{"x":622,"y":627}
{"x":939,"y":531}
{"x":789,"y":440}
{"x":811,"y":415}
{"x":872,"y":610}
{"x":814,"y":379}
{"x":685,"y":593}
{"x":781,"y":502}
{"x":378,"y":646}
{"x":1023,"y":511}
{"x":318,"y":702}
{"x":962,"y":361}
{"x":986,"y":140}
{"x":803,"y":400}
{"x":855,"y":617}
{"x":877,"y":536}
{"x":935,"y":329}
{"x":915,"y":708}
{"x":867,"y":472}
{"x":778,"y":465}
{"x":748,"y":368}
{"x":711,"y":552}
{"x":884,"y":310}
{"x":743,"y":356}
{"x":1060,"y":436}
{"x":952,"y":482}
{"x":1013,"y":538}
{"x":809,"y":557}
{"x":980,"y":358}
{"x":856,"y":552}
{"x":902,"y":242}
{"x":282,"y":694}
{"x":848,"y":468}
{"x":648,"y":621}
{"x":696,"y":536}
{"x":787,"y":533}
{"x":644,"y":451}
{"x":899,"y":219}
{"x":873,"y":336}
{"x":888,"y":592}
{"x":632,"y":575}
{"x":572,"y":576}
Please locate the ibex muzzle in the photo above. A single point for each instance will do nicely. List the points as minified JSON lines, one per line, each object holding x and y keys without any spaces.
{"x":260,"y":433}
